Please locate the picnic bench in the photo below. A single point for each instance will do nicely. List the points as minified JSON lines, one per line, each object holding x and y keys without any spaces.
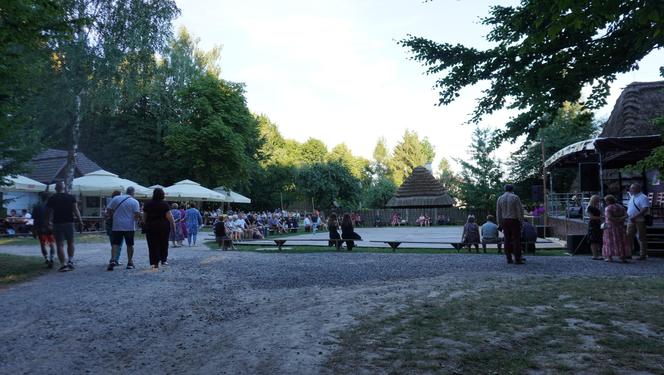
{"x":281,"y":241}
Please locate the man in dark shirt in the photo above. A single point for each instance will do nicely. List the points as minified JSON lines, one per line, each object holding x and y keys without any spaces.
{"x":41,"y":230}
{"x":61,"y":208}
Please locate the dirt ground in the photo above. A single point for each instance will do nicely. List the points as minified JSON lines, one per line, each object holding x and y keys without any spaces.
{"x":230,"y":312}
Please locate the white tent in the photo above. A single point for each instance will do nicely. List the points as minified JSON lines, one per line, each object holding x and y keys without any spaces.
{"x":102,"y":182}
{"x":187,"y":189}
{"x":231,"y":196}
{"x":23,"y":184}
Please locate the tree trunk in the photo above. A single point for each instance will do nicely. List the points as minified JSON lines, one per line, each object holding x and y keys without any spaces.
{"x":73,"y":149}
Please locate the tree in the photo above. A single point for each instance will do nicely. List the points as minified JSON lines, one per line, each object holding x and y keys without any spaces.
{"x":545,"y":53}
{"x":109,"y":56}
{"x":572,"y":123}
{"x":481,"y":179}
{"x":379,"y":192}
{"x":326,"y":183}
{"x":408,"y":154}
{"x":381,"y":159}
{"x":357,"y":166}
{"x":447,"y":177}
{"x":313,"y":151}
{"x":26,"y":31}
{"x":214,"y":143}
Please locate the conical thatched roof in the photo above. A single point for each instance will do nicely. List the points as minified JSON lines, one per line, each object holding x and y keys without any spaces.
{"x":635,"y":109}
{"x":421,"y":189}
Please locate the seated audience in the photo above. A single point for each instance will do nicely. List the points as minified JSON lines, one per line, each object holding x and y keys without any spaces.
{"x":489,"y":233}
{"x":471,"y":234}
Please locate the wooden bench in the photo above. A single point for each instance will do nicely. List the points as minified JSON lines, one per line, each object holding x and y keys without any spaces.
{"x":394,"y":244}
{"x":281,"y":241}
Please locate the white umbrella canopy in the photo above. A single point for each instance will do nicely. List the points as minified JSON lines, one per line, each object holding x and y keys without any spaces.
{"x":187,"y":189}
{"x":231,"y":196}
{"x":22,"y":183}
{"x":102,"y":182}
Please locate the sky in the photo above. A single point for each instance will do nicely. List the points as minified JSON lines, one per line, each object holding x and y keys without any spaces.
{"x":333,"y":70}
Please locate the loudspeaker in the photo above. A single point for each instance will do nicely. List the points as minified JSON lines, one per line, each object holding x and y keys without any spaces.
{"x":578,"y":244}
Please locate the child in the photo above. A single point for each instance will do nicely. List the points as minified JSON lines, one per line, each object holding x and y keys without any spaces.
{"x":471,"y":234}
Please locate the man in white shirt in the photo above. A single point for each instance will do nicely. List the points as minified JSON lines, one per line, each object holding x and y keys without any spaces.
{"x":637,"y":208}
{"x":125,"y":210}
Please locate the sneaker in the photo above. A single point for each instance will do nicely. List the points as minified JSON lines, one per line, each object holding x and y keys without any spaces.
{"x":110,"y":266}
{"x":63,"y":269}
{"x":70,"y":265}
{"x":154,"y":267}
{"x":49,"y":263}
{"x":164,"y":263}
{"x":130,"y":266}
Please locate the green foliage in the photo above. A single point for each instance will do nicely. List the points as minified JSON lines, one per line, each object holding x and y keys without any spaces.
{"x":381,"y":159}
{"x":213,"y":142}
{"x":313,"y":151}
{"x":328,"y":182}
{"x":480,"y":180}
{"x":357,"y":166}
{"x":409,"y":153}
{"x":544,"y":53}
{"x":378,"y":192}
{"x":26,"y":29}
{"x":571,"y":124}
{"x":447,"y":177}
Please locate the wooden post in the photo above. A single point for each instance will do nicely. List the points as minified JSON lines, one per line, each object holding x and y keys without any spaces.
{"x":544,"y":190}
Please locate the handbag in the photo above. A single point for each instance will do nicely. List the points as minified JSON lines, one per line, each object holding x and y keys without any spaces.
{"x":647,"y":217}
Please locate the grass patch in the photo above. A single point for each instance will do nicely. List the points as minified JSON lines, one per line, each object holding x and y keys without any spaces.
{"x":544,"y":325}
{"x":79,"y":238}
{"x":15,"y":268}
{"x":305,"y":249}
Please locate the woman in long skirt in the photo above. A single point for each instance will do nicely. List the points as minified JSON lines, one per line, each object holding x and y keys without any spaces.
{"x":615,"y":235}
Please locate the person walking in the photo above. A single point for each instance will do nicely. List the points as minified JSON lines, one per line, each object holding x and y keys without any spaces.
{"x":61,"y":208}
{"x":176,"y":235}
{"x":594,"y":227}
{"x":194,"y":220}
{"x":637,"y":209}
{"x":109,"y":231}
{"x":348,"y":232}
{"x":158,"y":223}
{"x":333,"y":228}
{"x":615,"y":236}
{"x":509,"y":213}
{"x":125,"y":211}
{"x":42,"y":231}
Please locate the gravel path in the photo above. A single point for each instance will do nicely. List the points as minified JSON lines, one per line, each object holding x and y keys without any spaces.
{"x":231,"y":312}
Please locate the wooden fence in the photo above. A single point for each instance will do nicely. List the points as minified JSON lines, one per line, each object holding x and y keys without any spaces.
{"x":453,"y":215}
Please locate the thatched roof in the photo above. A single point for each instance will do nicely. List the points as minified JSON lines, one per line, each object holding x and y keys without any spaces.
{"x":421,"y":189}
{"x":635,"y":109}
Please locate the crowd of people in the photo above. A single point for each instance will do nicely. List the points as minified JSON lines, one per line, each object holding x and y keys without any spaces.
{"x":52,"y":220}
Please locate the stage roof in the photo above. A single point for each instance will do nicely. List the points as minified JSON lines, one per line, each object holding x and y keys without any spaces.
{"x":616,"y":152}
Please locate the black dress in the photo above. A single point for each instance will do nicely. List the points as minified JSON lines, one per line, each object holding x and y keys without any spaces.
{"x":334,"y":234}
{"x":594,"y":226}
{"x":348,"y":234}
{"x":157,"y":228}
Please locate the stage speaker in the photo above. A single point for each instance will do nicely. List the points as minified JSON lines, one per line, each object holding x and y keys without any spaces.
{"x":578,"y":244}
